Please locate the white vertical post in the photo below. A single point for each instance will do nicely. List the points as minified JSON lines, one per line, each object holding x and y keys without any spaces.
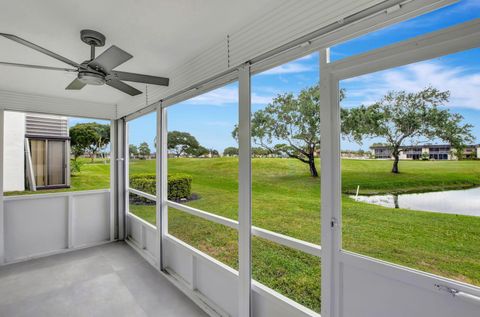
{"x":121,"y":179}
{"x":330,"y":184}
{"x":70,"y":212}
{"x":244,"y":193}
{"x":162,"y":182}
{"x":2,"y":216}
{"x":113,"y":178}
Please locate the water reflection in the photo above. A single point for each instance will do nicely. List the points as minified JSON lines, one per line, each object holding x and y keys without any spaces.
{"x":462,"y":202}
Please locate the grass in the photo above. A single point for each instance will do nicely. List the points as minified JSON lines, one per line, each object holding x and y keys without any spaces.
{"x":286,"y":200}
{"x":93,"y":175}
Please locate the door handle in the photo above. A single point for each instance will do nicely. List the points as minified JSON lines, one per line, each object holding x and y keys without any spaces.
{"x":459,"y":294}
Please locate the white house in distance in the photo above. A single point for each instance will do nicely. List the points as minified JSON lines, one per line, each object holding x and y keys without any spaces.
{"x":36,"y":151}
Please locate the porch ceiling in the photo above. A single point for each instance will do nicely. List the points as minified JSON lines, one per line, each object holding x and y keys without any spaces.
{"x":160,"y":34}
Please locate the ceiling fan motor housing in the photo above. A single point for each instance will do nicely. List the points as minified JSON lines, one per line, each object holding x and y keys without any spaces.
{"x":91,"y":78}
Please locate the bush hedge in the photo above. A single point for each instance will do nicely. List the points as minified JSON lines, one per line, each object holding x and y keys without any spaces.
{"x":179,"y":185}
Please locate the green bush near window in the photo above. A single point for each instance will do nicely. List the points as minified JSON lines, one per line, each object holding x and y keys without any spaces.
{"x":179,"y":185}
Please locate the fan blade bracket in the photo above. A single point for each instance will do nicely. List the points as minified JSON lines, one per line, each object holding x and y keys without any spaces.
{"x":140,"y":78}
{"x":125,"y":88}
{"x":109,"y":59}
{"x":76,"y":84}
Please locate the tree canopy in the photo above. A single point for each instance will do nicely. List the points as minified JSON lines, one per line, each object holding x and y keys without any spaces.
{"x":230,"y":151}
{"x":407,"y":116}
{"x":89,"y":138}
{"x":290,"y":126}
{"x":144,"y":150}
{"x":133,"y":150}
{"x":182,"y":143}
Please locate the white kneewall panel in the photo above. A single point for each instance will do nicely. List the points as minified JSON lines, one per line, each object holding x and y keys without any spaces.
{"x":370,"y":289}
{"x":44,"y":224}
{"x":91,"y":218}
{"x":14,"y":152}
{"x":217,"y":284}
{"x":35,"y":226}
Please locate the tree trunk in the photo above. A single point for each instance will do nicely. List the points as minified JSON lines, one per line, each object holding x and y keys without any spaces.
{"x":313,"y":168}
{"x":396,"y":158}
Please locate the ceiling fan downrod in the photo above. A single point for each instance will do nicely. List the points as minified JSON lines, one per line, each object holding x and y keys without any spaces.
{"x":94,"y":39}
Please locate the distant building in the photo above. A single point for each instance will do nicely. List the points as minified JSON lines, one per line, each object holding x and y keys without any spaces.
{"x":430,"y":151}
{"x":36,"y":151}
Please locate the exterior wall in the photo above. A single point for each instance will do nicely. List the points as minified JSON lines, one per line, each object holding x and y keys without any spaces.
{"x":14,"y":157}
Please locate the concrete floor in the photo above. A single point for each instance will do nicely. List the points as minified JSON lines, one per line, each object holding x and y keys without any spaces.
{"x":109,"y":280}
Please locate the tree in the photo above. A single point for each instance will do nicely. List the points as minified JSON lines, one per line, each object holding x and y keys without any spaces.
{"x":400,"y":116}
{"x":144,"y":150}
{"x":89,"y":138}
{"x":200,"y":151}
{"x":259,"y":152}
{"x":133,"y":150}
{"x":181,"y":143}
{"x":290,"y":119}
{"x":214,"y":153}
{"x":230,"y":151}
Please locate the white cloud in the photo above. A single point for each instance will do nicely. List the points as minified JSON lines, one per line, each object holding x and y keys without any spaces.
{"x":225,"y":96}
{"x":290,"y":68}
{"x":464,"y":86}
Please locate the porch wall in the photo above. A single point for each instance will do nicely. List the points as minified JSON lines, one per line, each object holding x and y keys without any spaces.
{"x":39,"y":225}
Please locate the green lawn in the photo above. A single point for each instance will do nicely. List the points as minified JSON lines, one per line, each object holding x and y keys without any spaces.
{"x":287,"y":200}
{"x":94,"y":175}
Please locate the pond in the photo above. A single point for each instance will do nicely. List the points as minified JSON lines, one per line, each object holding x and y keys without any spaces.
{"x":461,"y":202}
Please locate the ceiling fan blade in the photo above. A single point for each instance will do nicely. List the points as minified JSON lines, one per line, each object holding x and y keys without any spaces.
{"x":139,"y":78}
{"x":110,"y":59}
{"x":75,"y":85}
{"x":123,"y":87}
{"x":40,"y":49}
{"x":39,"y":67}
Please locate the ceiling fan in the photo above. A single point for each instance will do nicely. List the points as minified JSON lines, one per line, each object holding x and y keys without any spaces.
{"x":97,"y":70}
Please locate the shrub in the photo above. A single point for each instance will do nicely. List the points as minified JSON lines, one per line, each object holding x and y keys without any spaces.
{"x":179,"y":185}
{"x":75,"y":166}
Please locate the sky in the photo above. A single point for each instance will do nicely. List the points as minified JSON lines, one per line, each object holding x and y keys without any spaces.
{"x":212,"y":116}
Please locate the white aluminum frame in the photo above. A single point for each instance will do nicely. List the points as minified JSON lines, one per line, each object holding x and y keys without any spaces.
{"x":2,"y":217}
{"x":459,"y":38}
{"x":244,"y":193}
{"x":432,"y":45}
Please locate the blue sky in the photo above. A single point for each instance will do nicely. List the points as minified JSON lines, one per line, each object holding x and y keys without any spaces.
{"x":212,"y":116}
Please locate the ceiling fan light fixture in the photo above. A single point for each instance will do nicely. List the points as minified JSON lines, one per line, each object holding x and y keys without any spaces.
{"x":90,"y":78}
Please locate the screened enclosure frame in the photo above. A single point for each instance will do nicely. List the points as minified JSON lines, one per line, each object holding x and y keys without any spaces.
{"x":446,"y":41}
{"x":434,"y":44}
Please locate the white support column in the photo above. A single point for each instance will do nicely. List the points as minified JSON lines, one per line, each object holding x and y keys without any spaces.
{"x":120,"y":161}
{"x":162,"y":182}
{"x":330,"y":184}
{"x":113,"y":177}
{"x":244,"y":194}
{"x":2,"y":216}
{"x":70,"y":214}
